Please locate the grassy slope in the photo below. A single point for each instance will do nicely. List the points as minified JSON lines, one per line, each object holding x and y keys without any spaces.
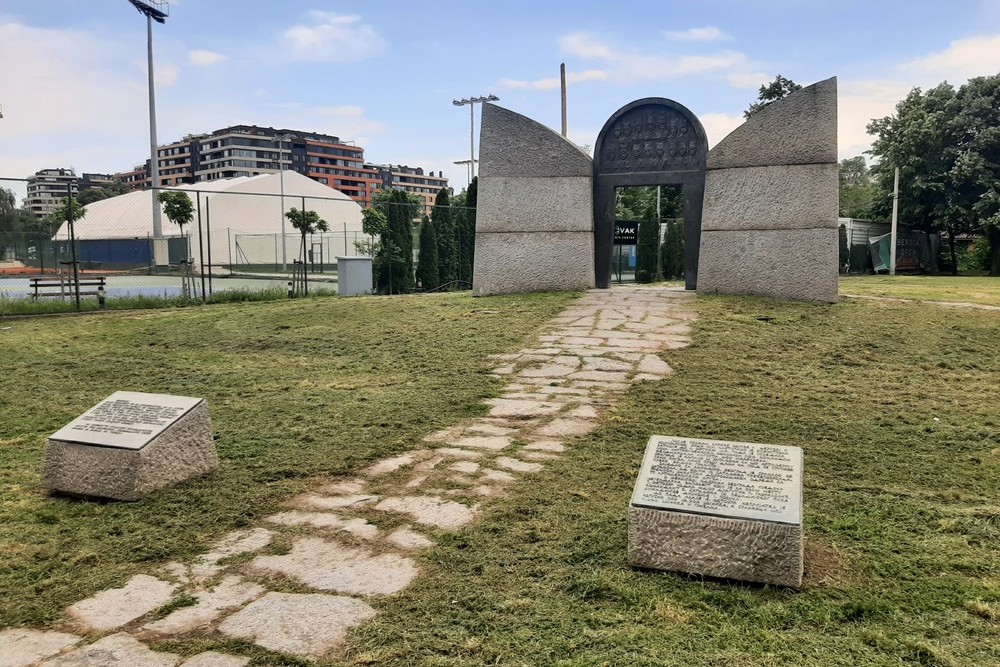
{"x":295,"y":389}
{"x":982,"y":290}
{"x":902,"y":510}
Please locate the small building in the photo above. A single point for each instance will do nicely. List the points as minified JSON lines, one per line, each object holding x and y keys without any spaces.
{"x":48,"y":188}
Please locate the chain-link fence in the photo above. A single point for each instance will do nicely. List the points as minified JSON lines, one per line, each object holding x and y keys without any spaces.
{"x":232,"y":241}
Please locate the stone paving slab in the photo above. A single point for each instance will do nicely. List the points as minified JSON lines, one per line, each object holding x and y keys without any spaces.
{"x":21,"y":647}
{"x":329,"y":566}
{"x":118,"y":650}
{"x":116,"y":607}
{"x":232,"y":592}
{"x":310,"y":625}
{"x":430,"y":510}
{"x":357,"y":527}
{"x":213,"y":659}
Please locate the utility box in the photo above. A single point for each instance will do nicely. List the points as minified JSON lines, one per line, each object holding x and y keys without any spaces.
{"x":354,"y":276}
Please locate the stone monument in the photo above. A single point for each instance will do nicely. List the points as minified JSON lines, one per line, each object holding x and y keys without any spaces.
{"x":130,"y":445}
{"x":534,"y":216}
{"x":769,"y":225}
{"x":722,"y":509}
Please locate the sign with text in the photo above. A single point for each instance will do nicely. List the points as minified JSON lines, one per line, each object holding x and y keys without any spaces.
{"x":626,"y":232}
{"x":729,"y":479}
{"x":126,"y":419}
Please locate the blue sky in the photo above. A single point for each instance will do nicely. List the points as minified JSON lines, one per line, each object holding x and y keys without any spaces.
{"x":73,"y":87}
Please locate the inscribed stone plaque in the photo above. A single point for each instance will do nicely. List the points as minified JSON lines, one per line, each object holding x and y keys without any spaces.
{"x":126,"y":420}
{"x":727,"y":479}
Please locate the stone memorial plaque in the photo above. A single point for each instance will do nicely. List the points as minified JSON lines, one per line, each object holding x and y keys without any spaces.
{"x":728,"y":479}
{"x":126,"y":420}
{"x":724,"y":509}
{"x":130,"y":445}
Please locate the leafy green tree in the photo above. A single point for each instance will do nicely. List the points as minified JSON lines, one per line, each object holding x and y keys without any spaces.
{"x":672,"y":251}
{"x":647,"y":245}
{"x":428,"y":274}
{"x":772,"y":92}
{"x":395,"y":270}
{"x":15,"y":223}
{"x":307,"y":222}
{"x":178,"y":207}
{"x":857,"y":189}
{"x":446,"y":232}
{"x":923,"y":139}
{"x":467,"y":234}
{"x":90,"y":195}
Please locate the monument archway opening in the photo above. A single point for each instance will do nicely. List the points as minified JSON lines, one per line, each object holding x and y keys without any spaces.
{"x":648,"y":240}
{"x":649,"y":142}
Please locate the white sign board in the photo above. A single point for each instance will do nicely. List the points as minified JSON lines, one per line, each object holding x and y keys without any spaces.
{"x":729,"y":479}
{"x":126,"y":419}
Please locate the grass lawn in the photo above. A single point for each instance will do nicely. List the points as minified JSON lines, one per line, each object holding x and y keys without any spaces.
{"x":895,"y":405}
{"x":964,"y":289}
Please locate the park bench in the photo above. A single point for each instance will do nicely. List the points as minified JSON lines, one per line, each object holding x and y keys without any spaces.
{"x":63,"y":286}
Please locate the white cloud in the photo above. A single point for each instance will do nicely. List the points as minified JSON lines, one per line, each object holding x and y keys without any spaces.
{"x":962,"y":60}
{"x":203,"y":57}
{"x":350,"y":123}
{"x":718,"y":125}
{"x":554,"y":82}
{"x":629,"y":65}
{"x":166,"y":75}
{"x":707,"y":34}
{"x":753,"y":80}
{"x":334,"y":38}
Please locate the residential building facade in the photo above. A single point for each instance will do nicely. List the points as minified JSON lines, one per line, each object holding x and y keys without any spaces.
{"x":410,"y":179}
{"x":48,"y":188}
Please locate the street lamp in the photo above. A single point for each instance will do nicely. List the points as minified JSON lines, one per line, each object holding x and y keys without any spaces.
{"x":468,"y":165}
{"x":472,"y":127}
{"x":154,"y":11}
{"x":281,"y":179}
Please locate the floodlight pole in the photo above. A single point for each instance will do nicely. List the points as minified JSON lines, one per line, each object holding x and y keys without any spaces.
{"x":154,"y":162}
{"x":281,"y":178}
{"x":472,"y":127}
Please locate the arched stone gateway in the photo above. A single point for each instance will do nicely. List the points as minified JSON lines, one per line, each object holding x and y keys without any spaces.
{"x":652,"y":141}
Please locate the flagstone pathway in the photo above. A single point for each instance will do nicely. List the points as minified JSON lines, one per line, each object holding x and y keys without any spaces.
{"x":352,"y":540}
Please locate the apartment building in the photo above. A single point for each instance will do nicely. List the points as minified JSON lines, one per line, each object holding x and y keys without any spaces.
{"x":410,"y":179}
{"x":48,"y":188}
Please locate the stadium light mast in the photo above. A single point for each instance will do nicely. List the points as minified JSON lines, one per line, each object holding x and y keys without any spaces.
{"x":154,"y":10}
{"x":472,"y":127}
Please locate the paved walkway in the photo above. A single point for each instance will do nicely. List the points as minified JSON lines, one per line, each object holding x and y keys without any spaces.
{"x":353,"y":540}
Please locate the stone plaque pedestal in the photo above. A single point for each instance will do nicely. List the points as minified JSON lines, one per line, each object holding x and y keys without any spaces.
{"x":130,"y":445}
{"x":722,"y":509}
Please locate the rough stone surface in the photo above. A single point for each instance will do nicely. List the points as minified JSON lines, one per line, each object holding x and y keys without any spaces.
{"x":238,"y":543}
{"x":504,"y":407}
{"x":565,"y":428}
{"x":517,"y":465}
{"x":357,"y":527}
{"x":542,"y":204}
{"x":115,"y":651}
{"x":393,"y":464}
{"x":492,"y":442}
{"x":430,"y":510}
{"x":183,"y":451}
{"x":466,"y":467}
{"x":311,"y":625}
{"x":230,"y":593}
{"x":333,"y":502}
{"x":213,"y":659}
{"x":520,"y":262}
{"x":776,"y":197}
{"x":115,"y":607}
{"x":406,"y":538}
{"x":799,"y":129}
{"x":746,"y":550}
{"x":21,"y":647}
{"x":782,"y":264}
{"x":515,"y":145}
{"x":328,"y":566}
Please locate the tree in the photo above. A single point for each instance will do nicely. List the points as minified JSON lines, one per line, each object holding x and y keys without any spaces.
{"x":428,"y":273}
{"x":772,"y":92}
{"x":647,"y":245}
{"x":446,"y":233}
{"x":923,"y":140}
{"x":395,"y":261}
{"x":178,"y":207}
{"x":307,"y":222}
{"x":90,"y":195}
{"x":15,"y":223}
{"x":857,"y":189}
{"x":672,"y":251}
{"x":467,"y":234}
{"x":69,"y":209}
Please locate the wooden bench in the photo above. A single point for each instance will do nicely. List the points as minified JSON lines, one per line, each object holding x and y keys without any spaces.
{"x":64,"y":286}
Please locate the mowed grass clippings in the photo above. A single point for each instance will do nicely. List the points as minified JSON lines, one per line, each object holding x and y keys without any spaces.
{"x":896,"y":406}
{"x":296,"y":389}
{"x":983,"y":290}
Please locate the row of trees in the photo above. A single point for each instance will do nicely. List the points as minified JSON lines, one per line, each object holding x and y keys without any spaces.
{"x":655,"y":260}
{"x":447,"y":241}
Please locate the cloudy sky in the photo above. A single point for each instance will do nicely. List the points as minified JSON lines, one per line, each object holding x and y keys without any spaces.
{"x":73,"y":77}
